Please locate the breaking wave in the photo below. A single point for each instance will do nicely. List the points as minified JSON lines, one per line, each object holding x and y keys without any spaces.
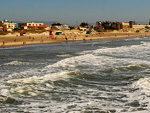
{"x":16,"y":63}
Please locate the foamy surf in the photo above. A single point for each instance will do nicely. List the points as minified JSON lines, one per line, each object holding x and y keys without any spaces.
{"x":16,"y":63}
{"x":103,"y":77}
{"x":144,"y":84}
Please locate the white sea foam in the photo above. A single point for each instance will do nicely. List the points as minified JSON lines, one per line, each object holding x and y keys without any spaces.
{"x":15,"y":63}
{"x":41,"y":79}
{"x":143,"y":43}
{"x":64,"y":55}
{"x":144,"y":83}
{"x":30,"y":86}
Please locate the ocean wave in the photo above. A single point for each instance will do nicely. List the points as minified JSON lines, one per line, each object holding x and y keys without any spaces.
{"x":72,"y":62}
{"x":16,"y":63}
{"x":143,"y":43}
{"x":40,"y":79}
{"x":144,"y":84}
{"x":8,"y":100}
{"x":133,"y":67}
{"x":64,"y":55}
{"x":29,"y":87}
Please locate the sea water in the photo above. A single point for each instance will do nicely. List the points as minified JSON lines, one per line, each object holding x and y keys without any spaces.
{"x":97,"y":76}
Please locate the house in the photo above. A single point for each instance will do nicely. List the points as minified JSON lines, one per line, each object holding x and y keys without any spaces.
{"x":125,"y":25}
{"x":1,"y":28}
{"x":36,"y":26}
{"x":132,"y":23}
{"x":7,"y":29}
{"x":7,"y":25}
{"x":44,"y":27}
{"x":24,"y":27}
{"x":59,"y":26}
{"x":29,"y":25}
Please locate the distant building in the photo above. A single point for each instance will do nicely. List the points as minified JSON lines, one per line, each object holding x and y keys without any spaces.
{"x":27,"y":25}
{"x":132,"y":23}
{"x":125,"y":25}
{"x":116,"y":25}
{"x":59,"y":26}
{"x":107,"y":24}
{"x":32,"y":25}
{"x":1,"y":28}
{"x":8,"y":26}
{"x":99,"y":23}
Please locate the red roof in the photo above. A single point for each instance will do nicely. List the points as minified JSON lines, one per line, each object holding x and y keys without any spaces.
{"x":5,"y":28}
{"x":32,"y":26}
{"x":43,"y":26}
{"x":22,"y":32}
{"x":23,"y":26}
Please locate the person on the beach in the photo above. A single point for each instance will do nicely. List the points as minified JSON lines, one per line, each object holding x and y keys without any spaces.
{"x":84,"y":40}
{"x":66,"y":38}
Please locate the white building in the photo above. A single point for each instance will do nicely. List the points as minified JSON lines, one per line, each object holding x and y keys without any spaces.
{"x":59,"y":26}
{"x":29,"y":24}
{"x":8,"y":25}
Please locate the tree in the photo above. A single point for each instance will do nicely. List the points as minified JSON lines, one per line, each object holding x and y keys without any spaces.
{"x":84,"y":24}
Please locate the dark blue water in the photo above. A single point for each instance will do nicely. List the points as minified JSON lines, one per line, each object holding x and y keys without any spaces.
{"x":99,"y":76}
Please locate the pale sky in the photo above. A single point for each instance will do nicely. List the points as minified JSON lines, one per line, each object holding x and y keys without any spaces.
{"x":75,"y":11}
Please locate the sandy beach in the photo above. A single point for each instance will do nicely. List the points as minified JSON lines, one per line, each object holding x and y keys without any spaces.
{"x":16,"y":40}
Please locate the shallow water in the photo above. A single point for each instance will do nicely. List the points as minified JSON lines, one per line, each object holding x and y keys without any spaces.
{"x":101,"y":76}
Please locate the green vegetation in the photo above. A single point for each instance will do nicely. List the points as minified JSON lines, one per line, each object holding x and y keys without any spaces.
{"x":84,"y":24}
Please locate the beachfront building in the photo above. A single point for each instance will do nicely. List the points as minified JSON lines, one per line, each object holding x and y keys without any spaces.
{"x":1,"y":28}
{"x":131,"y":23}
{"x":99,"y":23}
{"x":8,"y":26}
{"x":108,"y":25}
{"x":59,"y":26}
{"x":99,"y":26}
{"x":32,"y":25}
{"x":29,"y":24}
{"x":116,"y":25}
{"x":125,"y":25}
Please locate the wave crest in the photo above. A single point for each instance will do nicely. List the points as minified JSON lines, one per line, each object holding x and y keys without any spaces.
{"x":16,"y":63}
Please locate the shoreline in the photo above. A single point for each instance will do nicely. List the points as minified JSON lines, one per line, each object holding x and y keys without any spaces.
{"x":13,"y":41}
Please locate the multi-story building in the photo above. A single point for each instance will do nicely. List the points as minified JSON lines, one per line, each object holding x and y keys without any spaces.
{"x":132,"y":23}
{"x":30,"y":24}
{"x":125,"y":25}
{"x":25,"y":25}
{"x":8,"y":25}
{"x":99,"y":23}
{"x":116,"y":25}
{"x":1,"y":28}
